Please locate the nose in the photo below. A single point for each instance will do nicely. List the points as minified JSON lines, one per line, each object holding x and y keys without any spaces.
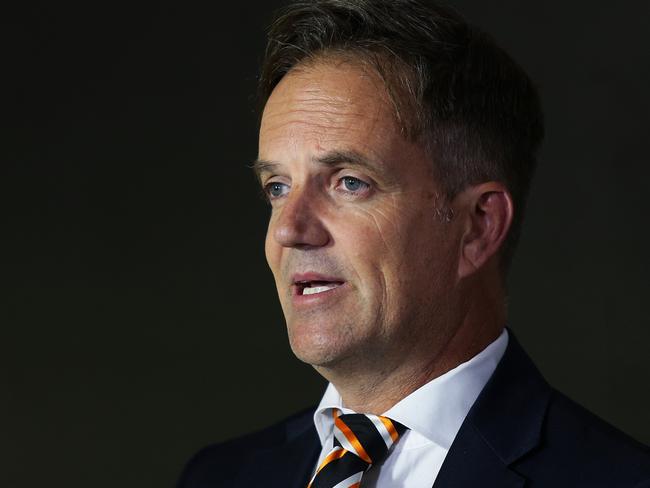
{"x":298,"y":223}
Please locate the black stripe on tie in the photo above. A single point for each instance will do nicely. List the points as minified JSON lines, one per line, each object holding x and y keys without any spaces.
{"x":368,"y":435}
{"x":399,"y":428}
{"x":338,"y":470}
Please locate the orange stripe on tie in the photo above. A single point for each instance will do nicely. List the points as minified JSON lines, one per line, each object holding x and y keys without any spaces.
{"x":390,"y":428}
{"x":356,"y":485}
{"x":332,"y":456}
{"x":349,"y":435}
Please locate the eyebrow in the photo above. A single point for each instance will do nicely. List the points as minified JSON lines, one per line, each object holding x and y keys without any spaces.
{"x":260,"y":166}
{"x":331,"y":158}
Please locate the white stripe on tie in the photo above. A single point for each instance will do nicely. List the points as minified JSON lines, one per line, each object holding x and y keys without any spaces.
{"x":347,"y":482}
{"x":381,"y":428}
{"x":340,"y":436}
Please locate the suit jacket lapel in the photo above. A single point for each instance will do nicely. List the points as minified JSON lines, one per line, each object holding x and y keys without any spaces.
{"x":471,"y":463}
{"x":504,"y":424}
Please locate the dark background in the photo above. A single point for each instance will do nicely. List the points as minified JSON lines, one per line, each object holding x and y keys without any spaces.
{"x":138,"y":319}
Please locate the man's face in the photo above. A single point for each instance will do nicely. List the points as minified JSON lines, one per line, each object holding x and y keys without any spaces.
{"x":363,"y":262}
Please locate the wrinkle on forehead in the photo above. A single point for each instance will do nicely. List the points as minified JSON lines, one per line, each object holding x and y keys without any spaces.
{"x":323,"y":105}
{"x":312,"y":89}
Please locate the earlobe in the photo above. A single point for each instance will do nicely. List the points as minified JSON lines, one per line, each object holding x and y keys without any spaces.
{"x":489,"y":216}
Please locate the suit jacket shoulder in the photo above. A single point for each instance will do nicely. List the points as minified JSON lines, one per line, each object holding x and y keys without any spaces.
{"x":580,"y":449}
{"x":282,"y":455}
{"x":522,"y":432}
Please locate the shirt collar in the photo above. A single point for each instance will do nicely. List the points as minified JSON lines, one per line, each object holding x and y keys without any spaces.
{"x":437,"y":409}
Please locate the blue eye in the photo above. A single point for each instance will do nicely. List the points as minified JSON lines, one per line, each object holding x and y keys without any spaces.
{"x":353,"y":184}
{"x":275,"y":189}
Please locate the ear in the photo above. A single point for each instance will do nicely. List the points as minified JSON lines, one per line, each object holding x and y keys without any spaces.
{"x":488,"y":216}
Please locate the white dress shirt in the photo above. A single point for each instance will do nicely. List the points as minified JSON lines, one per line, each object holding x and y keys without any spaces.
{"x":433,"y":413}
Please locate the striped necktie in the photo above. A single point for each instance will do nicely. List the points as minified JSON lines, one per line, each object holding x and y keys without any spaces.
{"x":360,"y":440}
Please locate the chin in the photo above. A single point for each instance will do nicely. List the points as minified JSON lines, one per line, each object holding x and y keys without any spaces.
{"x":315,"y":349}
{"x":310,"y":353}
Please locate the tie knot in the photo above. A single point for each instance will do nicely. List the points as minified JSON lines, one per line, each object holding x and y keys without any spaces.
{"x":366,"y":435}
{"x":360,"y":440}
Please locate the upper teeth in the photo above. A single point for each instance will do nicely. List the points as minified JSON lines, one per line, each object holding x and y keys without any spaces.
{"x":317,"y":289}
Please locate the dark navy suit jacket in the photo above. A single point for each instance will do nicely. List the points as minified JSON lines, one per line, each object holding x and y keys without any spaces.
{"x":519,"y":433}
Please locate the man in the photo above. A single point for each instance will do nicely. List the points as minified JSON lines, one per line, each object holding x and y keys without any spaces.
{"x":396,"y":148}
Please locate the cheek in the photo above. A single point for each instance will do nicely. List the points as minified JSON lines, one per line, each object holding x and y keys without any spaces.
{"x":374,"y":245}
{"x":391,"y":231}
{"x":369,"y":235}
{"x":409,"y":245}
{"x":271,"y":249}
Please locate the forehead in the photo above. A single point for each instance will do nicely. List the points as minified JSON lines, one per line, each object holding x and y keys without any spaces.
{"x":329,"y":105}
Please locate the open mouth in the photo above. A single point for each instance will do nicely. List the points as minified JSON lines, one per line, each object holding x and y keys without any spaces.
{"x":315,"y":287}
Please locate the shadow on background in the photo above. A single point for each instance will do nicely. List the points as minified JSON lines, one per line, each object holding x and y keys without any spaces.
{"x":139,"y":321}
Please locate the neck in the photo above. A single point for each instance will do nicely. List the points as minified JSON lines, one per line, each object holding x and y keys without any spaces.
{"x":375,"y":386}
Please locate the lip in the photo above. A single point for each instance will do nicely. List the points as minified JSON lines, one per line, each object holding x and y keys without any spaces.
{"x":313,"y":276}
{"x":301,"y":300}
